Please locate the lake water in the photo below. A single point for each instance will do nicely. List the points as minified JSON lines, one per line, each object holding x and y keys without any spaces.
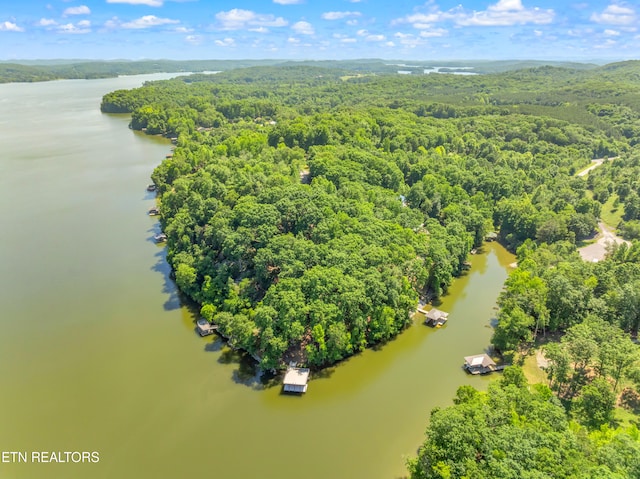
{"x":98,"y":354}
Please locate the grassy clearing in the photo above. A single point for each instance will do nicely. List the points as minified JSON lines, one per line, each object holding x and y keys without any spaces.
{"x":531,"y":370}
{"x":610,"y":214}
{"x":585,"y":242}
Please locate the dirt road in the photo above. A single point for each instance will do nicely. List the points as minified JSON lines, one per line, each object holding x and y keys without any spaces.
{"x":597,"y":251}
{"x":594,"y":165}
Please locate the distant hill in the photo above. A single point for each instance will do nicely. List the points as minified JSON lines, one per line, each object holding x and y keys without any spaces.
{"x":44,"y":70}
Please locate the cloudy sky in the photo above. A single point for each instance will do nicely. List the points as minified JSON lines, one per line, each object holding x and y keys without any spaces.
{"x":320,"y":29}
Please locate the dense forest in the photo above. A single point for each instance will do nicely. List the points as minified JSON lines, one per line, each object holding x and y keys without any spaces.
{"x":309,"y":209}
{"x":517,"y":431}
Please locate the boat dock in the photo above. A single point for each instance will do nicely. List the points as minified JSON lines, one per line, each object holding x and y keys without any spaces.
{"x":205,"y":328}
{"x":295,"y":380}
{"x":481,"y":364}
{"x":154,"y":212}
{"x":434,"y":317}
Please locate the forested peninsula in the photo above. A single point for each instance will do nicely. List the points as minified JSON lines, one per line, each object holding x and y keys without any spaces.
{"x":309,"y":209}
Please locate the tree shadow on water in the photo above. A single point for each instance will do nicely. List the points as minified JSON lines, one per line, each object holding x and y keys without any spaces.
{"x":214,"y":346}
{"x":248,"y":372}
{"x":174,"y":298}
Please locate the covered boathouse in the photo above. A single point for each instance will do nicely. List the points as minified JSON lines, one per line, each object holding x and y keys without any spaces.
{"x":435,"y":317}
{"x":295,"y":380}
{"x":480,"y":364}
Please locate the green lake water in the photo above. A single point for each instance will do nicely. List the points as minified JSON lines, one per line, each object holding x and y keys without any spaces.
{"x":98,"y":354}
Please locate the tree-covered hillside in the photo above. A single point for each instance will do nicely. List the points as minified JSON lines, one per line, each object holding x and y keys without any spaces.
{"x":307,"y":210}
{"x":515,"y":431}
{"x":45,"y":70}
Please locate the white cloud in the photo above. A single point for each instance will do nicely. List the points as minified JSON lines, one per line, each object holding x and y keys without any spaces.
{"x":226,"y":42}
{"x":46,"y":22}
{"x":339,"y":15}
{"x":80,"y":28}
{"x":537,"y":33}
{"x":375,"y":38}
{"x":79,"y":10}
{"x":193,"y":39}
{"x":502,"y":13}
{"x":149,"y":3}
{"x":183,"y":30}
{"x":507,"y":6}
{"x":507,"y":12}
{"x":288,"y":2}
{"x":113,"y":23}
{"x":238,"y":19}
{"x":424,"y":20}
{"x":352,"y":22}
{"x":409,"y":39}
{"x":362,"y":32}
{"x":390,"y":44}
{"x":303,"y":28}
{"x":432,"y":33}
{"x":149,"y":21}
{"x":607,"y":44}
{"x":615,"y":14}
{"x":611,"y":33}
{"x":344,"y":38}
{"x":293,"y":40}
{"x":581,"y":33}
{"x":259,"y":30}
{"x":10,"y":27}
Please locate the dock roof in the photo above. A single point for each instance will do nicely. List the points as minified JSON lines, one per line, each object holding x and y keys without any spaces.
{"x":479,"y":360}
{"x":435,"y":314}
{"x":296,"y":376}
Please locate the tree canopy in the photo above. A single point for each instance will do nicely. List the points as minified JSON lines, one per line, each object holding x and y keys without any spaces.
{"x":307,"y":211}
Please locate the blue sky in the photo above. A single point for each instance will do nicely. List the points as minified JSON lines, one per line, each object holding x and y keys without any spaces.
{"x":320,"y":29}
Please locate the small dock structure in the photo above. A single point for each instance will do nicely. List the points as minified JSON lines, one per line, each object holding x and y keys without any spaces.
{"x":295,"y":380}
{"x":481,"y":364}
{"x":160,"y":238}
{"x":151,"y":187}
{"x":434,"y":317}
{"x":205,"y":328}
{"x":154,"y":212}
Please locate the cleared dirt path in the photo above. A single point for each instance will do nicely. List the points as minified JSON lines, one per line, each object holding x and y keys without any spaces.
{"x":594,"y":164}
{"x":597,"y":251}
